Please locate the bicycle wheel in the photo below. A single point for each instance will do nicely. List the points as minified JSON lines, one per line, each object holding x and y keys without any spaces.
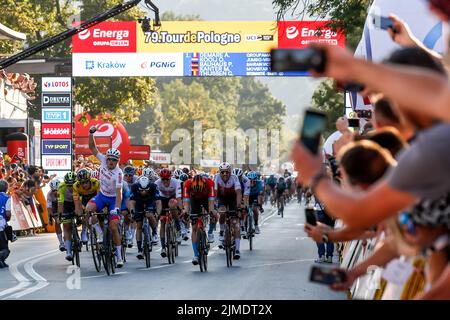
{"x":282,"y":209}
{"x":112,"y":256}
{"x":147,"y":244}
{"x":250,"y":231}
{"x":228,"y":246}
{"x":204,"y":255}
{"x":88,"y":237}
{"x":175,"y":232}
{"x":75,"y":246}
{"x":169,"y":246}
{"x":96,"y":255}
{"x":106,"y":252}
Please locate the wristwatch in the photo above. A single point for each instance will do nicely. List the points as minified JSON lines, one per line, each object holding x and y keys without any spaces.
{"x":322,"y":174}
{"x":325,"y":238}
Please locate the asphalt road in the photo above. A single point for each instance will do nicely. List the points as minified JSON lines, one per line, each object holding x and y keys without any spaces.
{"x":277,"y":268}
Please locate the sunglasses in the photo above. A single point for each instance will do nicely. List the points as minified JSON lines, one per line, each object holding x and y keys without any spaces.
{"x":165,"y":179}
{"x":112,"y":159}
{"x":86,"y":182}
{"x":224,"y":172}
{"x":128,"y":175}
{"x":405,"y":221}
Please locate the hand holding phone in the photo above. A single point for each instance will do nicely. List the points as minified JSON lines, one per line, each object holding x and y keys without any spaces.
{"x":314,"y":125}
{"x":384,"y":23}
{"x":298,"y":60}
{"x":354,"y":122}
{"x":326,"y":275}
{"x":310,"y":216}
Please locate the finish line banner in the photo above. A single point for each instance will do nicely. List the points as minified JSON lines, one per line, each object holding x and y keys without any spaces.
{"x":192,"y":48}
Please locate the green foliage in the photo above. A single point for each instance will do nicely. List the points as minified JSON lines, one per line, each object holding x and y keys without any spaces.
{"x":327,"y":99}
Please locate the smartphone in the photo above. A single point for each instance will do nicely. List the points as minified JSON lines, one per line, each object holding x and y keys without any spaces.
{"x":299,"y":60}
{"x":384,"y":23}
{"x":326,"y":275}
{"x":310,"y":216}
{"x":354,"y":123}
{"x":314,"y":125}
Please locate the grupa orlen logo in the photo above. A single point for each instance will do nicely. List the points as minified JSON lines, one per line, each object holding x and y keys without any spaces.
{"x":291,"y":32}
{"x":83,"y":35}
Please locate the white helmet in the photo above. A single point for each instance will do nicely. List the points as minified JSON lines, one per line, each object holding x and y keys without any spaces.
{"x":177,"y":173}
{"x":225,"y":166}
{"x":113,"y":153}
{"x":143,"y":183}
{"x":148,"y":172}
{"x":54,"y":184}
{"x":237,"y":172}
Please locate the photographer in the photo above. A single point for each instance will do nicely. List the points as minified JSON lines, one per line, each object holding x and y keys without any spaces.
{"x":5,"y":230}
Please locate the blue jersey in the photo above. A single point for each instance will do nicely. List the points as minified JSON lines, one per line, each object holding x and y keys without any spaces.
{"x":3,"y":199}
{"x":257,"y":188}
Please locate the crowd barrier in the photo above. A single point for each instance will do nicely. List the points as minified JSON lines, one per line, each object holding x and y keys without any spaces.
{"x":373,"y":285}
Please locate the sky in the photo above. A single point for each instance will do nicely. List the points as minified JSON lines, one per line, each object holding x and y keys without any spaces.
{"x":295,"y":93}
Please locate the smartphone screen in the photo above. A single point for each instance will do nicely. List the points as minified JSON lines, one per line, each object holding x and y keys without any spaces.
{"x":310,"y":217}
{"x":383,"y":23}
{"x":326,"y":275}
{"x":353,"y":123}
{"x":314,"y":124}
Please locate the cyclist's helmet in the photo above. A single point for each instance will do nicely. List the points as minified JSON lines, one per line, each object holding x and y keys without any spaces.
{"x":237,"y":172}
{"x":113,"y":153}
{"x":184,"y":177}
{"x":204,"y":175}
{"x":177,"y":173}
{"x":148,"y":172}
{"x":143,"y":183}
{"x":198,"y":183}
{"x":258,"y":174}
{"x":83,"y":175}
{"x":225,"y":166}
{"x":252,"y":175}
{"x":165,"y":173}
{"x":281,"y":179}
{"x":54,"y":184}
{"x":128,"y":170}
{"x":70,"y":178}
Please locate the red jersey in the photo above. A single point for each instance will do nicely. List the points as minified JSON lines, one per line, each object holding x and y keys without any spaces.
{"x":207,"y":194}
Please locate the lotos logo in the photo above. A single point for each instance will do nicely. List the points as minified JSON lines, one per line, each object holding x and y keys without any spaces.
{"x":83,"y":35}
{"x":47,"y":84}
{"x":291,"y":32}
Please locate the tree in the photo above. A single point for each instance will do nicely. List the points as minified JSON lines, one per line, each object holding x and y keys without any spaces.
{"x":124,"y":98}
{"x":348,"y":15}
{"x":327,"y":99}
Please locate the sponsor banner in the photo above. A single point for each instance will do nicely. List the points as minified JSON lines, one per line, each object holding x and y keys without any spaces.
{"x":82,"y":145}
{"x":127,"y":64}
{"x":56,"y":100}
{"x":209,"y":163}
{"x":231,"y":64}
{"x":56,"y":131}
{"x":56,"y":84}
{"x":108,"y":36}
{"x":57,"y":162}
{"x":162,"y":158}
{"x":56,"y":115}
{"x":56,"y":146}
{"x":210,"y":36}
{"x":300,"y":34}
{"x":139,"y":152}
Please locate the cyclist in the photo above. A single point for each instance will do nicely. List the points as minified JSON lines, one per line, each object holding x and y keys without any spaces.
{"x":287,"y":193}
{"x":227,"y":189}
{"x":198,"y":193}
{"x":66,"y":210}
{"x":185,"y":221}
{"x":256,"y":191}
{"x":150,"y":173}
{"x":52,"y":206}
{"x":245,"y":190}
{"x":271,"y":183}
{"x":171,"y":199}
{"x":280,"y":189}
{"x":129,"y":178}
{"x":145,"y":198}
{"x":84,"y":190}
{"x":110,"y":195}
{"x":261,"y":196}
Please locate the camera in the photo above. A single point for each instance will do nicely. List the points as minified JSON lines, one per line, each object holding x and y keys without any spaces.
{"x":299,"y":60}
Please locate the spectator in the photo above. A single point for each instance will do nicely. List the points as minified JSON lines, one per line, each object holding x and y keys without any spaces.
{"x":5,"y":215}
